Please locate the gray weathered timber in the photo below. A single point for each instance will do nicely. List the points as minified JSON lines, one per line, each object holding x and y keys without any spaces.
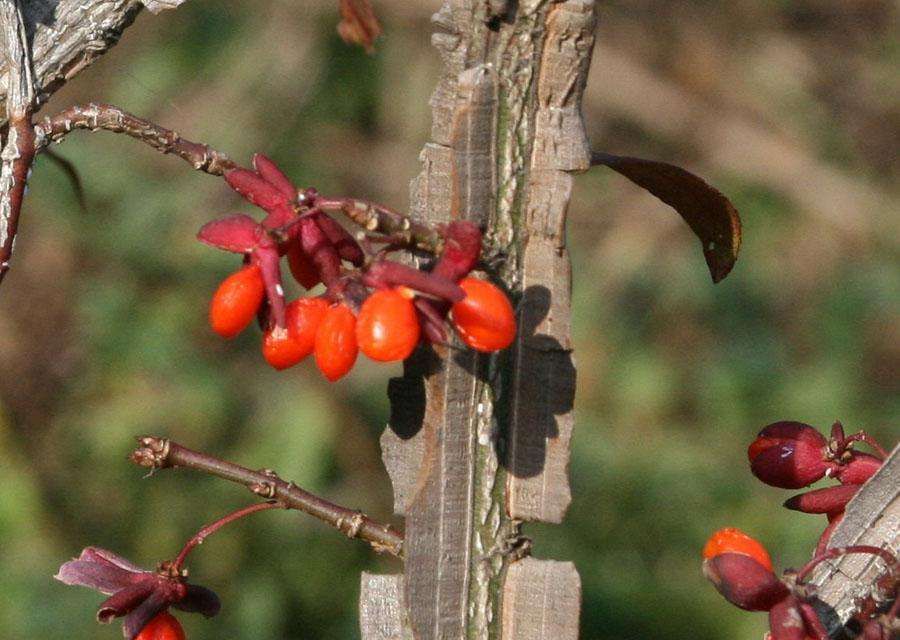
{"x":544,"y":372}
{"x":68,"y":35}
{"x":478,"y":443}
{"x":872,"y":518}
{"x":381,"y":613}
{"x":541,"y":601}
{"x":458,"y":461}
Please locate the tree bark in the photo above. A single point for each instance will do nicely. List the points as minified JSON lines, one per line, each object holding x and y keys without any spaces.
{"x":66,"y":36}
{"x":478,"y":444}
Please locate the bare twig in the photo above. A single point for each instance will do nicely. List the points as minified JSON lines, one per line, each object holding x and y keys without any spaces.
{"x":377,"y":218}
{"x":160,"y":453}
{"x":18,"y":148}
{"x":106,"y":117}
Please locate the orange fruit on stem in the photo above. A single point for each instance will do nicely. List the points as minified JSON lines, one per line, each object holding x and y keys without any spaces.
{"x":335,"y":347}
{"x":164,"y":626}
{"x":236,"y":301}
{"x":387,"y":328}
{"x":732,"y":540}
{"x":283,"y":347}
{"x":484,"y":319}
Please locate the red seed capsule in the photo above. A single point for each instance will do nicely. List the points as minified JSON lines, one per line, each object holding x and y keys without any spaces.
{"x":335,"y":347}
{"x":236,"y":301}
{"x":858,"y":469}
{"x":484,"y":319}
{"x":789,"y":455}
{"x":164,"y":626}
{"x":302,"y":267}
{"x":785,"y":621}
{"x":827,"y":500}
{"x":744,"y":582}
{"x":285,"y":347}
{"x":387,"y":328}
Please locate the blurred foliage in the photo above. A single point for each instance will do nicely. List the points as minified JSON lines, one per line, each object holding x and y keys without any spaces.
{"x":789,"y":107}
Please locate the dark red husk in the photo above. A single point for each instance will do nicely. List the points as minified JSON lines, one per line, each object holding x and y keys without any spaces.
{"x":347,"y":246}
{"x":785,"y":621}
{"x":387,"y":273}
{"x":827,"y":500}
{"x":254,"y":189}
{"x":462,"y":247}
{"x":744,"y":582}
{"x":860,"y":468}
{"x":134,"y":593}
{"x":318,"y":247}
{"x":302,"y":267}
{"x":270,"y":172}
{"x":238,"y":233}
{"x":789,"y":455}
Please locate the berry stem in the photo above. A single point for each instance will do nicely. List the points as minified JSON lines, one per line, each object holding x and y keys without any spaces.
{"x":161,"y":453}
{"x":862,"y":436}
{"x":836,"y":552}
{"x":211,"y":528}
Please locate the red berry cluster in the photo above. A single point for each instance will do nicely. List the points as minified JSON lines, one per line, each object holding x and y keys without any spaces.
{"x":792,"y":455}
{"x":370,"y":304}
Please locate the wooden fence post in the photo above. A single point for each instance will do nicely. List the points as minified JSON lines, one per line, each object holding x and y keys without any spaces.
{"x":476,"y":444}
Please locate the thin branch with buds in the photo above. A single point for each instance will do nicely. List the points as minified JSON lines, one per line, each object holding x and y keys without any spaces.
{"x":161,"y":453}
{"x":106,"y":117}
{"x":399,"y":228}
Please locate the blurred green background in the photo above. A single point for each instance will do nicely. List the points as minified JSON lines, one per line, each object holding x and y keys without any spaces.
{"x":789,"y":107}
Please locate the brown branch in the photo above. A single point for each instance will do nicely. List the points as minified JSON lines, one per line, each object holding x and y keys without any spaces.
{"x":161,"y":453}
{"x":18,"y":148}
{"x":376,"y":218}
{"x":107,"y":117}
{"x":67,"y":36}
{"x":399,"y":229}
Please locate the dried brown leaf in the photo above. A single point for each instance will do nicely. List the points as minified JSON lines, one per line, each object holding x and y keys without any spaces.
{"x":358,"y":23}
{"x":708,"y":213}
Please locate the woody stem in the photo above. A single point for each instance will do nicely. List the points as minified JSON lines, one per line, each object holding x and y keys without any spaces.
{"x":381,"y":219}
{"x":107,"y":117}
{"x":161,"y":453}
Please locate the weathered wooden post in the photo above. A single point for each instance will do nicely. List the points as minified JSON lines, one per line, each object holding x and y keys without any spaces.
{"x":477,"y":445}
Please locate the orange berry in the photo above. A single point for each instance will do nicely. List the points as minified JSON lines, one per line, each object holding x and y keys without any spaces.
{"x":335,"y":347}
{"x":732,"y":540}
{"x":484,"y":319}
{"x":164,"y":626}
{"x":283,"y":347}
{"x":236,"y":301}
{"x":387,"y":328}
